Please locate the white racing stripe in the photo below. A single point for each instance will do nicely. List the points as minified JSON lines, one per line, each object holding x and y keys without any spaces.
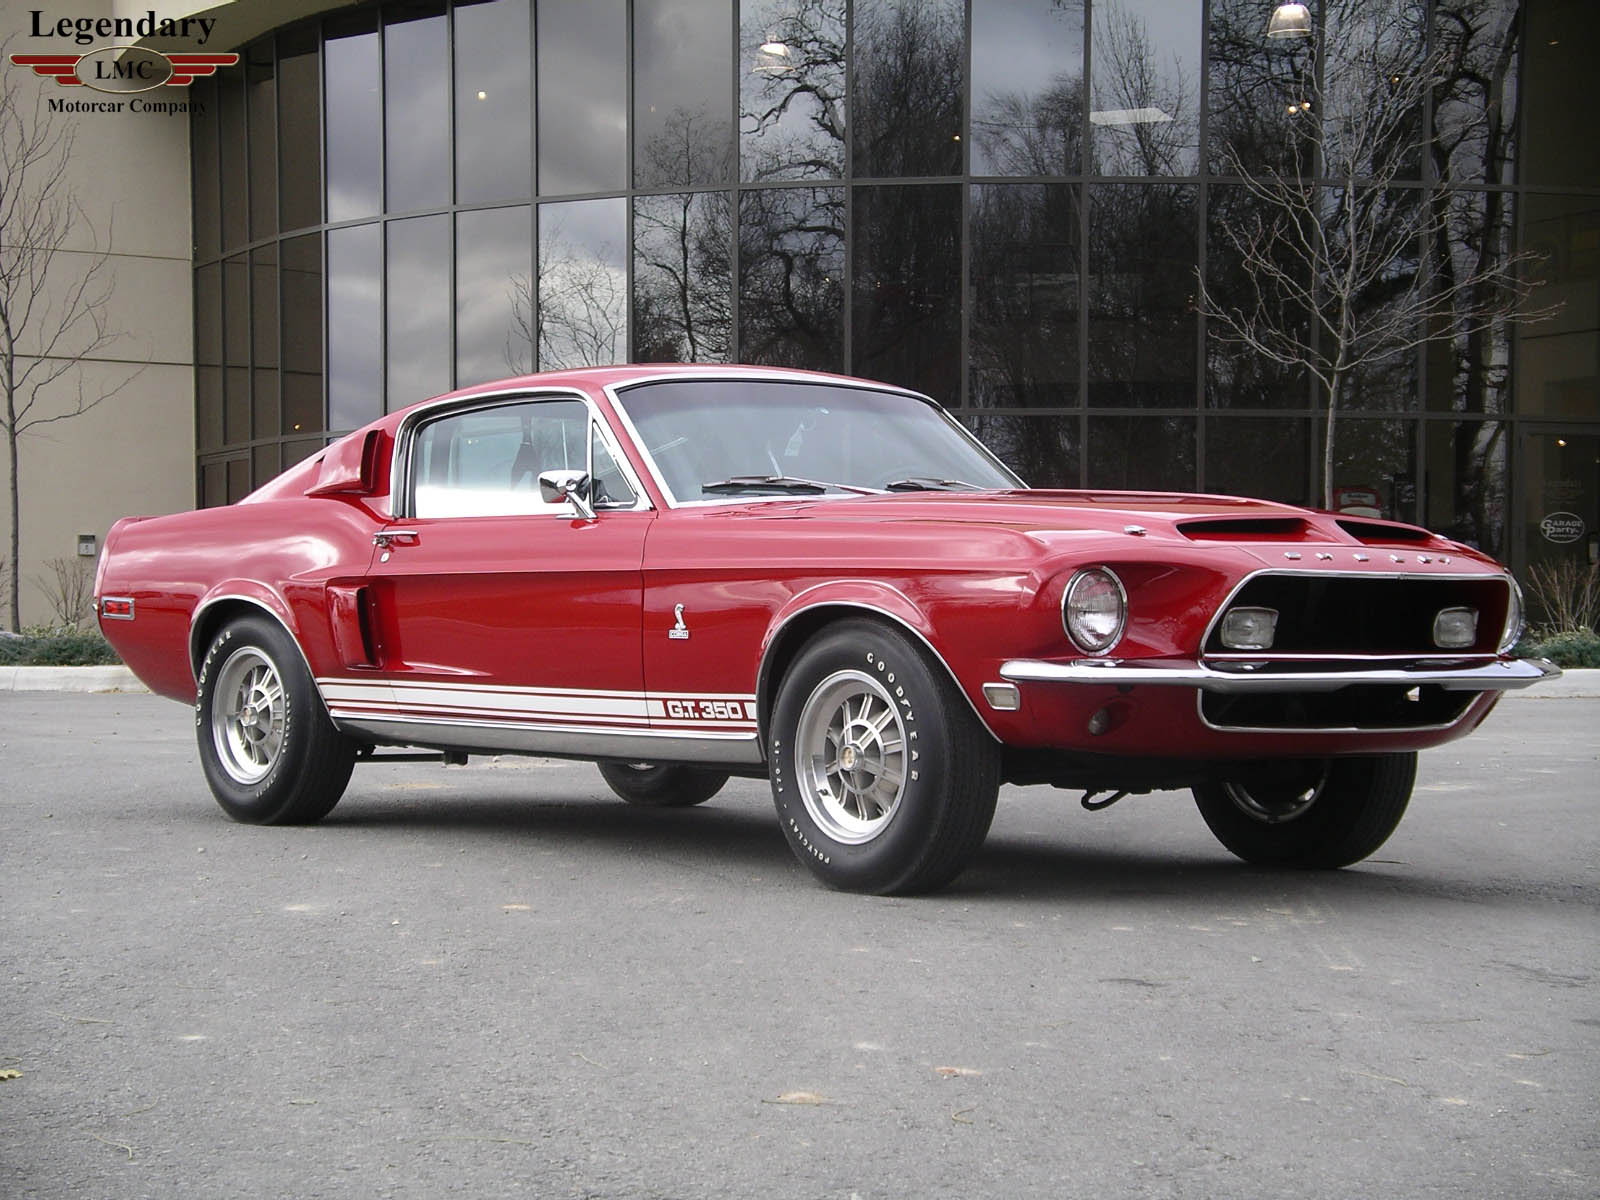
{"x":438,"y":701}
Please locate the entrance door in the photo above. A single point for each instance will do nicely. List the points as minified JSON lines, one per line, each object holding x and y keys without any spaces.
{"x":1559,"y":522}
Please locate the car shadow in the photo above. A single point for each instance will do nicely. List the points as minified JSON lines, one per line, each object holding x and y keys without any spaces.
{"x":739,"y":835}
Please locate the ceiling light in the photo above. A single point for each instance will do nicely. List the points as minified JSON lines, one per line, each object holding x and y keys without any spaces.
{"x":1289,"y":21}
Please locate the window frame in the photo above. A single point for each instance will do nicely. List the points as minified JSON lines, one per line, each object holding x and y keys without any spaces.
{"x":406,"y":445}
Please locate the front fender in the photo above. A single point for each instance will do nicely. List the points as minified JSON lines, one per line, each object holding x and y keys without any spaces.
{"x":809,"y":611}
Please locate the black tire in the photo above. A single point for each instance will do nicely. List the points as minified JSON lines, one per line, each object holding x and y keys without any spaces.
{"x":269,"y":751}
{"x":1333,"y":813}
{"x":658,"y":785}
{"x":904,"y":808}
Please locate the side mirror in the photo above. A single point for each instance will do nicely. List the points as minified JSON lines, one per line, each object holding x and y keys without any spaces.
{"x":557,"y":486}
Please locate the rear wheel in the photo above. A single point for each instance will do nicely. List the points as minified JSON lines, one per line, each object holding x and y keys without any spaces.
{"x":1317,"y":813}
{"x":656,"y":785}
{"x":268,"y":749}
{"x":883,"y":778}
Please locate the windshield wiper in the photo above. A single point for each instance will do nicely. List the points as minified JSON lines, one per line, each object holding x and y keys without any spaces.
{"x":928,"y":483}
{"x":780,"y":483}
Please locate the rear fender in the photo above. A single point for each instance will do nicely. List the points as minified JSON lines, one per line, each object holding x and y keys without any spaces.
{"x":233,"y":597}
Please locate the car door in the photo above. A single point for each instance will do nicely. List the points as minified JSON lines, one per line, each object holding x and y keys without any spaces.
{"x":509,"y":621}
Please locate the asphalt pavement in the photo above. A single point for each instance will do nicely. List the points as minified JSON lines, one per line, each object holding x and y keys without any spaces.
{"x":496,"y":980}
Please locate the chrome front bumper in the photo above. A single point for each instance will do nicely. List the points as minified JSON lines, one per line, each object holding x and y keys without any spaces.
{"x":1239,"y":677}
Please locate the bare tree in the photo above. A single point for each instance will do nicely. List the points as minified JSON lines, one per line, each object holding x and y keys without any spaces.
{"x":1340,"y":270}
{"x":54,"y":300}
{"x":70,"y":590}
{"x":572,"y":312}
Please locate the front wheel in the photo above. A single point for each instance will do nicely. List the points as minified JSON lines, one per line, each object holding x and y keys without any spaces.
{"x":882,"y":776}
{"x":657,"y":785}
{"x":1322,"y":813}
{"x":268,"y":749}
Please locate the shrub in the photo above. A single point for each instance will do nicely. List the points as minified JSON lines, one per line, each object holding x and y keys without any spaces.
{"x":57,"y":648}
{"x":1575,"y":648}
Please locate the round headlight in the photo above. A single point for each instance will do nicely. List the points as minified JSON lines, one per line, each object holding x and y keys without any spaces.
{"x":1093,"y":609}
{"x":1516,"y":621}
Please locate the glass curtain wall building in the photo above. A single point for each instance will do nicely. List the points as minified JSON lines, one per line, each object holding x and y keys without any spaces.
{"x":1002,"y":203}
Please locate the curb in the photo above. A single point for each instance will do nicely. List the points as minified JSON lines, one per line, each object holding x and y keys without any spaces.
{"x":69,"y":679}
{"x":1576,"y":683}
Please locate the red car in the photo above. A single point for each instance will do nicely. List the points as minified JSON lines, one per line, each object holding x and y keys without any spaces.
{"x":685,"y":573}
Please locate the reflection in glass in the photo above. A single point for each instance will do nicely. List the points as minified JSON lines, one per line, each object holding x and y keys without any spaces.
{"x":1025,"y":307}
{"x":1558,"y":92}
{"x":1558,"y":481}
{"x":1141,"y":296}
{"x":791,"y":89}
{"x":1257,"y":88}
{"x":355,"y":326}
{"x":1259,"y":456}
{"x":352,"y":117}
{"x":264,"y":339}
{"x":1471,"y":370}
{"x":299,"y":106}
{"x":682,"y":136}
{"x":583,"y":86}
{"x":235,"y":194}
{"x":905,"y":112}
{"x":1146,"y":91}
{"x":236,"y":349}
{"x":905,"y":319}
{"x":301,"y":284}
{"x":1475,"y":108}
{"x":1043,"y":450}
{"x":1238,"y":376}
{"x":261,"y":103}
{"x":416,"y":70}
{"x":208,"y":355}
{"x":494,"y":105}
{"x":1558,"y":360}
{"x":682,"y":277}
{"x":1142,"y":453}
{"x":418,"y":316}
{"x":494,"y":261}
{"x":1373,"y":90}
{"x":581,"y":317}
{"x":1027,"y":87}
{"x":1374,"y":460}
{"x":791,"y":277}
{"x":205,"y":171}
{"x":1467,"y":485}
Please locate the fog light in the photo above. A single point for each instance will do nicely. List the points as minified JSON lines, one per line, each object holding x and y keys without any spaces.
{"x":1455,"y":628}
{"x":1249,"y":628}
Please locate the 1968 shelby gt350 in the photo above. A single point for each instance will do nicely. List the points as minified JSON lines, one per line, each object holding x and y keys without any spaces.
{"x":687,"y":573}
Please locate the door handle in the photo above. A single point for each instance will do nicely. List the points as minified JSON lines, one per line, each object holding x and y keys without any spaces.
{"x":395,"y":537}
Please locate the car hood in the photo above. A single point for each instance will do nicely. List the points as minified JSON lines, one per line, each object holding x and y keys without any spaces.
{"x":1260,"y":529}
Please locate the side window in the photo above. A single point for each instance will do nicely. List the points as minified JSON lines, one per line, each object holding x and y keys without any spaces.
{"x":610,"y":487}
{"x":487,"y":462}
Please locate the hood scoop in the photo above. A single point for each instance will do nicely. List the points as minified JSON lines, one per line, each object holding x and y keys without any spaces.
{"x":1381,"y":533}
{"x":1244,"y":529}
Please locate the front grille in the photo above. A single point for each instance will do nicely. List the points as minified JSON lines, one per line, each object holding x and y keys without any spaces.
{"x":1324,"y":613}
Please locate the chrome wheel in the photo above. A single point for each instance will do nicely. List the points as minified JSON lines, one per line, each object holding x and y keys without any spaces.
{"x":1276,"y":806}
{"x":851,"y":755}
{"x":248,"y":715}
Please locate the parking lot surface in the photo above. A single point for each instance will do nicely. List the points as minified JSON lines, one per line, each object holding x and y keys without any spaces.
{"x":495,"y":980}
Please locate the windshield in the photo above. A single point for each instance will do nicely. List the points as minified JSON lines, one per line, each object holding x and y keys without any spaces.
{"x":711,"y":439}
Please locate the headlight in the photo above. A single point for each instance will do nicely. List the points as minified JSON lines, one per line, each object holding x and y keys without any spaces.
{"x":1516,"y":620}
{"x":1094,"y":608}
